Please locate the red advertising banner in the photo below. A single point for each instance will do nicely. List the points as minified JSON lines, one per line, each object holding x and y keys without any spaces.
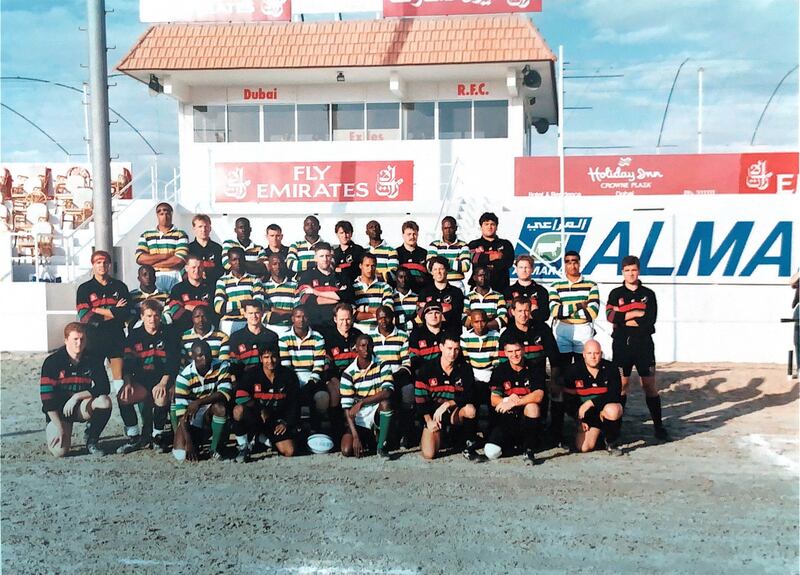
{"x":393,"y":8}
{"x":215,"y":11}
{"x":674,"y":174}
{"x":387,"y":181}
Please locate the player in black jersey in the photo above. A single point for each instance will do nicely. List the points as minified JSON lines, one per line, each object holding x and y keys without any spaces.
{"x":209,"y":251}
{"x":246,"y":344}
{"x":191,"y":292}
{"x":321,"y":288}
{"x":347,"y":255}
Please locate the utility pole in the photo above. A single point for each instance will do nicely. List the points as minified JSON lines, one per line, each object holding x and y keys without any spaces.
{"x":101,"y":155}
{"x":700,"y":110}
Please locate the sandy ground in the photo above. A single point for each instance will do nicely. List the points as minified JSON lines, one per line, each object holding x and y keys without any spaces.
{"x":721,"y":498}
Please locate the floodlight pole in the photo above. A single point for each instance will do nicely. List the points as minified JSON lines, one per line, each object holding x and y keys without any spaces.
{"x":101,"y":155}
{"x":700,"y":110}
{"x":561,"y":189}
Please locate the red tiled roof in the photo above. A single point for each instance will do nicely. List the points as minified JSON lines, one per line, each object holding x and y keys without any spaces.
{"x":341,"y":44}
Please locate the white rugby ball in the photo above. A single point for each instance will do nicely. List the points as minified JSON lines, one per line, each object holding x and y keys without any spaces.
{"x":492,"y":451}
{"x":320,"y":443}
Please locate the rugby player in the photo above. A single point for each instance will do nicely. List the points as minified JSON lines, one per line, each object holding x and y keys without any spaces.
{"x":300,"y":257}
{"x":423,"y":343}
{"x":491,"y":251}
{"x":281,"y":292}
{"x":404,"y":301}
{"x":369,"y":293}
{"x":147,"y":290}
{"x":253,"y":253}
{"x":449,"y":297}
{"x":347,"y":255}
{"x":366,"y":390}
{"x":266,"y":407}
{"x":517,"y":395}
{"x":209,"y":251}
{"x":246,"y":344}
{"x":202,"y":391}
{"x":187,"y":295}
{"x":234,"y":288}
{"x":274,"y":245}
{"x":527,"y":288}
{"x":340,"y":348}
{"x":483,"y":297}
{"x":454,"y":251}
{"x":74,"y":387}
{"x":443,"y":392}
{"x":632,"y":310}
{"x":481,"y":348}
{"x":151,"y":363}
{"x":592,"y":396}
{"x":412,"y":257}
{"x":165,"y":248}
{"x":203,"y":330}
{"x":387,"y":256}
{"x":102,"y":305}
{"x":321,"y":288}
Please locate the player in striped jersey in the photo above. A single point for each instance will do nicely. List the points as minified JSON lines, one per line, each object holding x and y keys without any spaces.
{"x":453,"y":250}
{"x":347,"y":255}
{"x":517,"y":396}
{"x":443,"y":391}
{"x":165,"y":248}
{"x":574,"y":305}
{"x":366,"y":390}
{"x":482,"y":297}
{"x":481,"y":348}
{"x":187,"y":295}
{"x":592,"y":390}
{"x":369,"y":294}
{"x":405,"y":301}
{"x":281,"y":292}
{"x":246,"y":344}
{"x":386,"y":255}
{"x":412,"y":257}
{"x":303,"y":350}
{"x":74,"y":387}
{"x":391,"y":349}
{"x":203,"y":330}
{"x":301,"y":253}
{"x":234,"y":288}
{"x":202,"y":391}
{"x":266,"y":407}
{"x":147,"y":290}
{"x":252,"y":251}
{"x":151,"y":362}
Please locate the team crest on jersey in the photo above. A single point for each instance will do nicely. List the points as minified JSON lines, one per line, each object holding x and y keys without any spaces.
{"x":257,"y":388}
{"x":92,"y":297}
{"x":242,"y":348}
{"x":185,"y":297}
{"x":335,"y":351}
{"x":314,"y":283}
{"x":62,"y":374}
{"x":422,"y":343}
{"x":579,"y":383}
{"x":506,"y":385}
{"x":139,"y":347}
{"x":432,"y":381}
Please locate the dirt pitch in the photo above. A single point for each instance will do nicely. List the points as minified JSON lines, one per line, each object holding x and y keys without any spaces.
{"x":721,"y":498}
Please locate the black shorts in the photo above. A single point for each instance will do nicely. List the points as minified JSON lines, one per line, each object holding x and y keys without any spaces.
{"x":365,"y":436}
{"x":506,"y":430}
{"x":269,"y":430}
{"x":446,"y":425}
{"x":307,"y":392}
{"x":630,"y":352}
{"x":108,"y":344}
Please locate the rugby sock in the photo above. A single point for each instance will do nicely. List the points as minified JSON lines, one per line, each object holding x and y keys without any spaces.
{"x":159,"y":418}
{"x":128,"y":414}
{"x":336,"y":417}
{"x":384,"y":422}
{"x":238,"y":429}
{"x":173,"y":419}
{"x":217,"y":429}
{"x":97,"y":424}
{"x":146,"y":411}
{"x":468,"y":431}
{"x":623,"y":399}
{"x":557,"y":420}
{"x":654,"y":405}
{"x":532,"y":428}
{"x":611,"y":430}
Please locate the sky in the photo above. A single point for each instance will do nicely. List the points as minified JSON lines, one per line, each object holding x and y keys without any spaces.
{"x":744,"y":46}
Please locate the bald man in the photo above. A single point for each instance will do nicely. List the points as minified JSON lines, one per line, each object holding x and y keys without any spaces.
{"x":592,"y":396}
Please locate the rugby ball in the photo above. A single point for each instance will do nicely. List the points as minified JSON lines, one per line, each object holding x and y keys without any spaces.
{"x":492,"y":451}
{"x":320,"y":443}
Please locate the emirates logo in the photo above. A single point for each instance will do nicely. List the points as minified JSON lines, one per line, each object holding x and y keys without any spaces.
{"x":387,"y":184}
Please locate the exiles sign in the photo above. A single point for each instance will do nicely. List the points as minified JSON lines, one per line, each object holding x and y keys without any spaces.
{"x":314,"y":181}
{"x":681,"y":174}
{"x":451,"y":7}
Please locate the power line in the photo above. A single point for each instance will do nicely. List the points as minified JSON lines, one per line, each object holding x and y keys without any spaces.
{"x":32,"y":123}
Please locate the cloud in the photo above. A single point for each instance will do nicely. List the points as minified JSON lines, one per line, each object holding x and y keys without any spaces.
{"x":634,"y":36}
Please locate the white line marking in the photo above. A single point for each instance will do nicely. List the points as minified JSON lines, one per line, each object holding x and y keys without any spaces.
{"x":766,"y":446}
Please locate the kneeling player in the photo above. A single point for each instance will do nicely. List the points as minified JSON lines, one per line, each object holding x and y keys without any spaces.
{"x":366,"y":390}
{"x":592,"y":396}
{"x":74,"y":387}
{"x":266,"y":406}
{"x":443,"y":388}
{"x":517,"y":394}
{"x":202,"y":390}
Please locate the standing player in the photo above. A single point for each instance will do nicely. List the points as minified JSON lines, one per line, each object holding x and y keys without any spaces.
{"x":151,"y":363}
{"x":187,"y":295}
{"x":369,"y":294}
{"x":253,"y":252}
{"x":301,"y":253}
{"x":387,"y":256}
{"x":483,"y":297}
{"x":165,"y":248}
{"x":449,"y":297}
{"x":366,"y":390}
{"x":320,"y":288}
{"x":147,"y":290}
{"x":454,"y":251}
{"x":74,"y":387}
{"x":574,"y":305}
{"x":481,"y":349}
{"x":347,"y":255}
{"x":517,"y":396}
{"x":591,"y":388}
{"x":443,"y":391}
{"x":340,"y":348}
{"x":405,"y":301}
{"x":203,"y":330}
{"x":526,"y":287}
{"x":412,"y":257}
{"x":632,"y":309}
{"x":491,"y":251}
{"x":281,"y":293}
{"x":202,"y":391}
{"x":274,"y":245}
{"x":102,"y":305}
{"x":209,"y":251}
{"x":234,"y":288}
{"x":266,"y":406}
{"x":246,"y":344}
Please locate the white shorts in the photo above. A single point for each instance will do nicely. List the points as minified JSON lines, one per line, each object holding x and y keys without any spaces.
{"x":366,"y":416}
{"x":571,"y":337}
{"x":482,"y":375}
{"x":198,"y":420}
{"x":229,"y":326}
{"x":166,"y":279}
{"x":304,"y":377}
